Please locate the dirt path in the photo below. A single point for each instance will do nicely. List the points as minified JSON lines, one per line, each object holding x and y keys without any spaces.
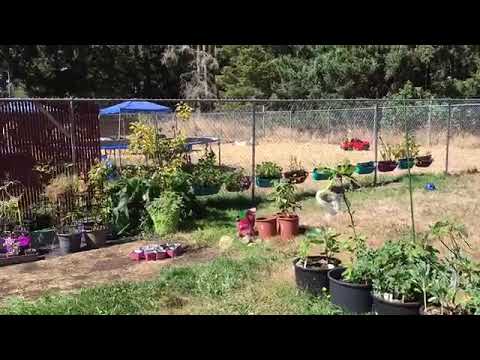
{"x":86,"y":269}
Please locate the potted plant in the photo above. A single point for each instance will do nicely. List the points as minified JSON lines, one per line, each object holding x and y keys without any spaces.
{"x":424,"y":160}
{"x":444,"y":283}
{"x":288,"y":221}
{"x":42,"y":230}
{"x":321,"y":173}
{"x":236,"y":181}
{"x":68,"y":234}
{"x":406,"y":152}
{"x":207,"y":178}
{"x":311,"y":271}
{"x":267,"y":173}
{"x":165,"y":212}
{"x":395,"y":287}
{"x":388,"y":162}
{"x":296,"y":173}
{"x":365,"y":168}
{"x":96,"y":235}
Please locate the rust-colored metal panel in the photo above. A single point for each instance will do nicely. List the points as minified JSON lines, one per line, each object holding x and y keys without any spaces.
{"x":28,"y":138}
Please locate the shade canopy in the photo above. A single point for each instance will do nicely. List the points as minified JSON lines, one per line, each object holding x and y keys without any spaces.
{"x":135,"y":107}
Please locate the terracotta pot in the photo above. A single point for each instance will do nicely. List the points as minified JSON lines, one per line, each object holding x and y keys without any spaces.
{"x":296,"y":176}
{"x":266,"y":226}
{"x":288,"y":226}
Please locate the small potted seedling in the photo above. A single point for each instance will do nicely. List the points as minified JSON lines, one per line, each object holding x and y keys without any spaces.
{"x":288,"y":221}
{"x":296,"y":173}
{"x":388,"y":162}
{"x":267,"y":173}
{"x":311,"y":271}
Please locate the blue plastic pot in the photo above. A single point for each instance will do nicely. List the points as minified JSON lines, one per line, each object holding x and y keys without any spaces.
{"x":318,"y":175}
{"x":365,"y":168}
{"x":406,"y":163}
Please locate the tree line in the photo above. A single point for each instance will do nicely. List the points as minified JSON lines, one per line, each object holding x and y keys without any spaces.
{"x":241,"y":71}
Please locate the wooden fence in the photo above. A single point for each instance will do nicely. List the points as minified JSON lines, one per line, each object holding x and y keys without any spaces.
{"x":45,"y":132}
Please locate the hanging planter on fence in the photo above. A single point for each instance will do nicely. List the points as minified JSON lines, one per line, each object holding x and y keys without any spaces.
{"x":423,"y":161}
{"x":265,"y":182}
{"x":206,"y":190}
{"x":365,"y":168}
{"x":321,"y":174}
{"x":243,"y":185}
{"x":296,"y":176}
{"x":406,"y":163}
{"x":386,"y":165}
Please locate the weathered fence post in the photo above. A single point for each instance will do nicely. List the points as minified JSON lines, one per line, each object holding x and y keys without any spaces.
{"x":375,"y":142}
{"x":253,"y":152}
{"x":72,"y":136}
{"x":290,"y":118}
{"x":448,"y":136}
{"x":328,"y":126}
{"x":430,"y":123}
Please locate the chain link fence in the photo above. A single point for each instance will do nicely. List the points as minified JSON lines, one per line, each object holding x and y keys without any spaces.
{"x":244,"y":133}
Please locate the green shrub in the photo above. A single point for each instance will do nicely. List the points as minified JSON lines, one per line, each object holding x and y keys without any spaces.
{"x":166,"y":212}
{"x":268,"y":170}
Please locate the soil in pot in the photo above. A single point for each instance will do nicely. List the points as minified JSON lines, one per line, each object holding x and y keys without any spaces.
{"x":266,"y":226}
{"x":386,"y":166}
{"x":314,"y":278}
{"x":95,"y":238}
{"x":288,"y":226}
{"x":353,"y":298}
{"x":69,"y":243}
{"x":296,"y":176}
{"x":385,"y":307}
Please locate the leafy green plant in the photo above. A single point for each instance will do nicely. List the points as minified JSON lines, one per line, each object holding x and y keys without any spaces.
{"x":10,"y":212}
{"x":183,"y":111}
{"x":395,"y":266}
{"x":327,"y":238}
{"x":387,"y":151}
{"x":233,"y":180}
{"x":206,"y":173}
{"x":268,"y":170}
{"x":165,"y":212}
{"x":407,"y":148}
{"x":283,"y":195}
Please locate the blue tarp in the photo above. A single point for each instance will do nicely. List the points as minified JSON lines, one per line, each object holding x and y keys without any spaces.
{"x":134,"y":107}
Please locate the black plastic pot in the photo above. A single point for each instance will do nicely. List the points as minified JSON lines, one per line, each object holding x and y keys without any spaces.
{"x":385,"y":307}
{"x":312,"y":280}
{"x":69,"y":243}
{"x":353,"y":298}
{"x":95,"y":239}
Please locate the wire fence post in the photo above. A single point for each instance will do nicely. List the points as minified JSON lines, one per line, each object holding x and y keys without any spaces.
{"x":430,"y":123}
{"x":253,"y":152}
{"x":375,"y":142}
{"x":328,"y":126}
{"x":448,"y":136}
{"x":290,"y":116}
{"x":263,"y":121}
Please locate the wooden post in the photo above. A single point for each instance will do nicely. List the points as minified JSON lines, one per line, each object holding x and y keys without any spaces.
{"x":430,"y":124}
{"x":72,"y":136}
